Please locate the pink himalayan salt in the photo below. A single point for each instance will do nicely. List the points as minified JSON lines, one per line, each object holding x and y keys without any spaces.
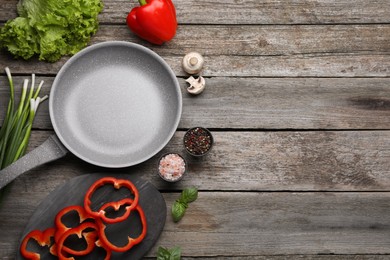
{"x":172,"y":167}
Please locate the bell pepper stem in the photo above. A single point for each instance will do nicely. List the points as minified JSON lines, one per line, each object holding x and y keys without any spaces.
{"x":142,"y":2}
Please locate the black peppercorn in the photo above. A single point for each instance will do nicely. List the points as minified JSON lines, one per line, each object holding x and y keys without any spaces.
{"x":198,"y":141}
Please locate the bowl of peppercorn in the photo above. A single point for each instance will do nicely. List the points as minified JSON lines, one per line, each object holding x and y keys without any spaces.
{"x":198,"y":141}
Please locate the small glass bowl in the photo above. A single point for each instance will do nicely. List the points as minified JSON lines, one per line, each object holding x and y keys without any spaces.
{"x":198,"y":141}
{"x":172,"y":167}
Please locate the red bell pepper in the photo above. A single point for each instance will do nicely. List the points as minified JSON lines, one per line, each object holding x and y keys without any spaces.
{"x":154,"y":21}
{"x":117,"y":183}
{"x":90,"y":237}
{"x":131,"y":241}
{"x":43,"y":238}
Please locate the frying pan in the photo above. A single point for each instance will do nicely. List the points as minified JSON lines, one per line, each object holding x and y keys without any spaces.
{"x":114,"y":104}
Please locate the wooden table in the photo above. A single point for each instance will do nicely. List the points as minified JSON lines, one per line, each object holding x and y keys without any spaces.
{"x":298,"y":100}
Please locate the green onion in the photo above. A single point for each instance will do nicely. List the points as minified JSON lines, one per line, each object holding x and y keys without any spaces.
{"x":16,"y":129}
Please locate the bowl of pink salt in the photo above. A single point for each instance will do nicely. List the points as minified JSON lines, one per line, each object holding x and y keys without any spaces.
{"x":171,"y":167}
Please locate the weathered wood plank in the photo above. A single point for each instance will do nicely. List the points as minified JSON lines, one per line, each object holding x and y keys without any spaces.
{"x":263,"y":40}
{"x":322,"y":65}
{"x":253,"y":161}
{"x":249,"y":12}
{"x":302,"y":65}
{"x":253,"y":103}
{"x":266,"y":51}
{"x":287,"y":223}
{"x":251,"y":223}
{"x":290,"y":103}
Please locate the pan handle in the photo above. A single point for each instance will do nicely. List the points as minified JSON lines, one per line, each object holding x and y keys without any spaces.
{"x":50,"y":150}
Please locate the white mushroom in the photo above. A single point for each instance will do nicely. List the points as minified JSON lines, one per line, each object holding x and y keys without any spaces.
{"x":193,"y":63}
{"x":196,"y":85}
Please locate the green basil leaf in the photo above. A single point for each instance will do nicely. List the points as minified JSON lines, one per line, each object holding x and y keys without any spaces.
{"x":169,"y":254}
{"x":189,"y":194}
{"x":178,"y":210}
{"x":163,"y":253}
{"x":175,"y":253}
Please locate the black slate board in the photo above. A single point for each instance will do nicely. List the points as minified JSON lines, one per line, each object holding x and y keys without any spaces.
{"x":72,"y":193}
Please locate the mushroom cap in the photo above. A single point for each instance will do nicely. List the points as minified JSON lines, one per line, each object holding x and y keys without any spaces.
{"x":193,"y":62}
{"x":196,"y":85}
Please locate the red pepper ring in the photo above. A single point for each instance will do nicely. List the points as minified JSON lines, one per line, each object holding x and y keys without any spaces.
{"x":90,"y":238}
{"x":43,"y":238}
{"x":61,"y":227}
{"x":98,"y":243}
{"x":117,"y":183}
{"x":116,"y":205}
{"x":131,"y":241}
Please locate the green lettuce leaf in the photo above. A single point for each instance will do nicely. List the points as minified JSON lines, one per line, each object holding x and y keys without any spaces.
{"x":19,"y":38}
{"x":50,"y":28}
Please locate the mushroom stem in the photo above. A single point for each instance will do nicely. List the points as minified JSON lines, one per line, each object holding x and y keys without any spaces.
{"x":196,"y":85}
{"x":193,"y":63}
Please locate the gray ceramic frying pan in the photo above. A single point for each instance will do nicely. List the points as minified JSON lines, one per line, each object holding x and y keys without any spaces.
{"x":114,"y":104}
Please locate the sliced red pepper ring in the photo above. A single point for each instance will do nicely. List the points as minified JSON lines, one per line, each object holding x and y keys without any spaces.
{"x":131,"y":241}
{"x":126,"y":203}
{"x":43,"y":238}
{"x":61,"y":227}
{"x":81,"y":231}
{"x":62,"y":241}
{"x":117,"y":184}
{"x":98,"y":243}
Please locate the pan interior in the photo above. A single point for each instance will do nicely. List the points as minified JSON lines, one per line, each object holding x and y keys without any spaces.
{"x":115,"y":104}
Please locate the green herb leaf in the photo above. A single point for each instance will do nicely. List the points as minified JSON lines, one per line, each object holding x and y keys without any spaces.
{"x":163,"y":253}
{"x":178,"y":210}
{"x":189,"y":195}
{"x":168,"y":254}
{"x":175,"y":253}
{"x":50,"y":28}
{"x":16,"y":129}
{"x":179,"y":207}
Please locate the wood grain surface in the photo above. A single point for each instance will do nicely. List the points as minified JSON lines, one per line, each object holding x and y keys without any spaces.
{"x":298,"y":100}
{"x":202,"y":12}
{"x":260,"y":161}
{"x":260,"y":51}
